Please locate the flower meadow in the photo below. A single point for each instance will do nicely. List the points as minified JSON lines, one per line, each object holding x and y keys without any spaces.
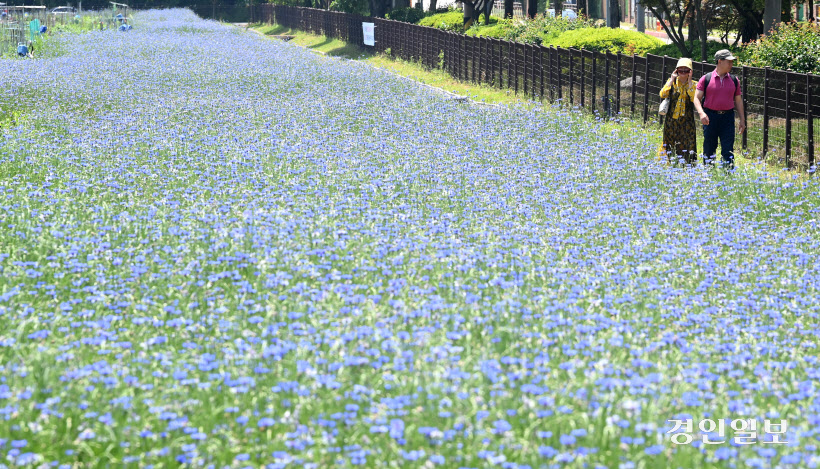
{"x":218,"y":250}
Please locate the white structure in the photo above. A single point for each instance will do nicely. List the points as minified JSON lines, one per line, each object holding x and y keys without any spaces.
{"x":439,"y":3}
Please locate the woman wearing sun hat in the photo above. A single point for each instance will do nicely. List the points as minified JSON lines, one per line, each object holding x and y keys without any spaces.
{"x":679,"y":137}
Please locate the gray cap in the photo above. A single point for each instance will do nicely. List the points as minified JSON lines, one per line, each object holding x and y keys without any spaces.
{"x":724,"y":54}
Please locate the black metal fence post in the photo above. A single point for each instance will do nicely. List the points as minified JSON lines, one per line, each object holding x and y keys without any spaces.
{"x":560,"y":74}
{"x":788,"y":122}
{"x":810,"y":121}
{"x":765,"y":110}
{"x":571,"y":73}
{"x":663,"y":78}
{"x":618,"y":84}
{"x":582,"y":75}
{"x":646,"y":90}
{"x":744,"y":74}
{"x":634,"y":87}
{"x":607,"y":105}
{"x":594,"y":96}
{"x":541,"y":73}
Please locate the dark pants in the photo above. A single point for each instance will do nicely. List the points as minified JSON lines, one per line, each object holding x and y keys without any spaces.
{"x":721,"y":126}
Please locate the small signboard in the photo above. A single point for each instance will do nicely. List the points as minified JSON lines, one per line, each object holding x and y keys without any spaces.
{"x":369,"y":34}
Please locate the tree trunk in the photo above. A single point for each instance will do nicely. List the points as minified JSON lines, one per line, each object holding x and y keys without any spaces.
{"x":488,"y":10}
{"x":469,"y":12}
{"x":700,"y":24}
{"x":559,"y":6}
{"x":693,"y":31}
{"x":752,"y":26}
{"x":508,"y":8}
{"x":433,"y":4}
{"x":378,"y":8}
{"x":532,"y":8}
{"x":674,"y":30}
{"x":811,"y":10}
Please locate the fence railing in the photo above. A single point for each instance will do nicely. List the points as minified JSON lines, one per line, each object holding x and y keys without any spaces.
{"x":780,"y":106}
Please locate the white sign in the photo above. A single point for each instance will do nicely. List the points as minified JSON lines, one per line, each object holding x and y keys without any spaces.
{"x":369,"y":34}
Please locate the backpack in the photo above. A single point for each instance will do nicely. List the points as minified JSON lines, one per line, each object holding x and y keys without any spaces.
{"x":709,"y":78}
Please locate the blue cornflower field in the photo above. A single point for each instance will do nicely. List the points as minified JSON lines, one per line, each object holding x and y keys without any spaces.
{"x":223,"y":251}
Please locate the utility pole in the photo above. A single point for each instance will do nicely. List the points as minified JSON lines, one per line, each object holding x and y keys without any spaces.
{"x":640,"y":16}
{"x":613,"y":17}
{"x":771,"y":15}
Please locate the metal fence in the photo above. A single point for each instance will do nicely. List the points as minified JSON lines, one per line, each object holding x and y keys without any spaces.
{"x":16,"y":25}
{"x":780,"y":106}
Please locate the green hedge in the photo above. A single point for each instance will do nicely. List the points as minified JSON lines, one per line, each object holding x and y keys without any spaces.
{"x":540,"y":30}
{"x":608,"y":39}
{"x":453,"y":21}
{"x":450,"y":21}
{"x":544,"y":29}
{"x":498,"y":30}
{"x":791,"y":46}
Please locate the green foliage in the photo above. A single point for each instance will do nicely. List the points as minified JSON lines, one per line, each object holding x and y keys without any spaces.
{"x":449,"y":21}
{"x":407,"y":15}
{"x":361,"y":7}
{"x":540,"y":30}
{"x":498,"y":30}
{"x":607,"y":39}
{"x":711,"y":47}
{"x":791,"y":46}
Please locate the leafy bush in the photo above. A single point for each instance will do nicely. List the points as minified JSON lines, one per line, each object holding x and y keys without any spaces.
{"x":498,"y":30}
{"x":545,"y":28}
{"x":360,"y":7}
{"x":711,"y":47}
{"x":790,"y":47}
{"x":407,"y":15}
{"x":450,"y":21}
{"x":608,"y":39}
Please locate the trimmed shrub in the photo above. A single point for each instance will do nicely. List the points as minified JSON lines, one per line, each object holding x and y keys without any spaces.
{"x":790,"y":47}
{"x":544,"y":28}
{"x":711,"y":47}
{"x":450,"y":21}
{"x":407,"y":15}
{"x":498,"y":30}
{"x":607,"y":39}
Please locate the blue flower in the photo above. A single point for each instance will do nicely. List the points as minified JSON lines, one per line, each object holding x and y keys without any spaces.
{"x":567,"y":440}
{"x":265,"y":422}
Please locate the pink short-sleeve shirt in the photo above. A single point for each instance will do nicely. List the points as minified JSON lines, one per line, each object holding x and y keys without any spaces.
{"x":721,"y":93}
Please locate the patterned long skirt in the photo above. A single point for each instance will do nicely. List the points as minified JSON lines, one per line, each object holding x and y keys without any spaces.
{"x":680,"y":139}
